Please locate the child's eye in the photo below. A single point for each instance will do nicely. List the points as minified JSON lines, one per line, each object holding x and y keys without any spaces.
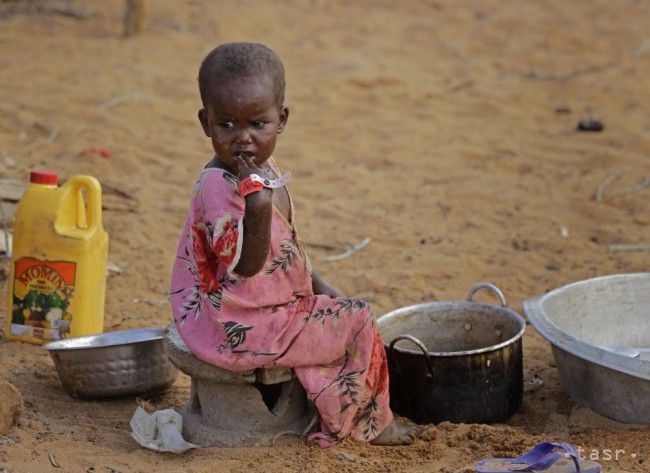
{"x":226,"y":124}
{"x":258,"y":123}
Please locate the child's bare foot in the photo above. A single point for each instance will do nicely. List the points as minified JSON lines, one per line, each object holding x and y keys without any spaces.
{"x":399,"y":432}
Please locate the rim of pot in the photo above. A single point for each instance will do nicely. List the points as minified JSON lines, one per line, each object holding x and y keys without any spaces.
{"x":459,"y":304}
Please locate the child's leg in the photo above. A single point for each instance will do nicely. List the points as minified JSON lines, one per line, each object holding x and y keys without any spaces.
{"x":340,"y":360}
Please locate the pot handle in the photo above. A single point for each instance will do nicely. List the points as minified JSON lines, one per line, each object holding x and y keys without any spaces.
{"x":421,"y":345}
{"x":491,"y":287}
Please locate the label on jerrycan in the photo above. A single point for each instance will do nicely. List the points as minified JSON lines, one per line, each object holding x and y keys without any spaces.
{"x":41,"y":295}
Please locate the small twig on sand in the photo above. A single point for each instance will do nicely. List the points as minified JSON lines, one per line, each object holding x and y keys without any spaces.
{"x":352,"y":249}
{"x":151,"y":301}
{"x":39,"y":6}
{"x":114,"y":268}
{"x":114,"y":102}
{"x":463,"y":85}
{"x":53,"y":461}
{"x":118,"y":199}
{"x":613,"y":248}
{"x":65,"y":10}
{"x":118,"y":192}
{"x":600,"y":191}
{"x":645,"y":182}
{"x":534,"y":74}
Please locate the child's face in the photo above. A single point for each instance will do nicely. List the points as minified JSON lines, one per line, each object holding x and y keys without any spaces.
{"x":243,"y":119}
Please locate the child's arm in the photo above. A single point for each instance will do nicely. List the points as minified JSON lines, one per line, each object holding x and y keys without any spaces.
{"x":257,"y":222}
{"x":320,"y":286}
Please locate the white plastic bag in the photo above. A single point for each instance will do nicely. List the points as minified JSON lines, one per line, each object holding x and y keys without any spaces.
{"x":160,"y":431}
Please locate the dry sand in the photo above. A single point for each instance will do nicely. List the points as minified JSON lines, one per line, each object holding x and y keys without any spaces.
{"x":444,"y":131}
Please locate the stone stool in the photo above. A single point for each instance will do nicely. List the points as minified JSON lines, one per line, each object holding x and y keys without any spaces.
{"x":238,"y":409}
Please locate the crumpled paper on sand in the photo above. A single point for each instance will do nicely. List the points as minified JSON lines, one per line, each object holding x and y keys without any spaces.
{"x":160,"y":431}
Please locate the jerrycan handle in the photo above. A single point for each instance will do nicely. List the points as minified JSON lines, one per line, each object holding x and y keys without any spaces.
{"x":91,"y":222}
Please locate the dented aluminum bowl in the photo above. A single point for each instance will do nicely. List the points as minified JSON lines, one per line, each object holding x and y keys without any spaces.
{"x":113,"y":364}
{"x":599,"y":330}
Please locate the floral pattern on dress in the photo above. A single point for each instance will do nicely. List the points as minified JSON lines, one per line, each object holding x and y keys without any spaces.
{"x":206,"y":259}
{"x":225,"y":236}
{"x":333,"y":314}
{"x":285,"y":258}
{"x":230,"y":179}
{"x":236,"y":333}
{"x":369,"y":418}
{"x":190,"y":295}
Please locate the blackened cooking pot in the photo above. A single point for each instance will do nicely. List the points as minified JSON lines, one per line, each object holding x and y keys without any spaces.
{"x":458,"y":361}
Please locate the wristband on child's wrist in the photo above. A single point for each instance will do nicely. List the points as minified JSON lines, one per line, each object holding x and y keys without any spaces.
{"x":255,"y":183}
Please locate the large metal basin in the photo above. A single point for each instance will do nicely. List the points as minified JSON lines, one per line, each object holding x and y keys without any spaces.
{"x":600,"y":333}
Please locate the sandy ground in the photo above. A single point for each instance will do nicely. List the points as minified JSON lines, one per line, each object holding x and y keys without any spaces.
{"x":444,"y":131}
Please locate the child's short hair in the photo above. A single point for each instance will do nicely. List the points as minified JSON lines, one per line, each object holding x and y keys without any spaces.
{"x":235,"y":60}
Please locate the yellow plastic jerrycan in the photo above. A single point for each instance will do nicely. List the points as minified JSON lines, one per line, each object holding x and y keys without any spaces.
{"x":58,"y":269}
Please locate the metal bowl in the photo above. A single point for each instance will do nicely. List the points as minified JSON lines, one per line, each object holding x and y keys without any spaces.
{"x":599,"y":330}
{"x":113,"y":364}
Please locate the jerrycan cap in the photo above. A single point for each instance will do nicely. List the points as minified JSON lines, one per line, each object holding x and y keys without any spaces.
{"x":41,"y":176}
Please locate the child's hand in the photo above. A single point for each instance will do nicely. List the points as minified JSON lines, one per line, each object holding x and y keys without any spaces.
{"x":246,"y":166}
{"x":257,"y":220}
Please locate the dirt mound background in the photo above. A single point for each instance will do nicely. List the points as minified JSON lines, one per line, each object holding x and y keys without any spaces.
{"x":444,"y":131}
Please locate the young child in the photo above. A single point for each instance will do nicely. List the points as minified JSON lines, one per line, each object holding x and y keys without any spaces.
{"x":243,"y":293}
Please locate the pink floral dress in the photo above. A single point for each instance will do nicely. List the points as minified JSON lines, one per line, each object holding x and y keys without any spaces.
{"x":273,"y":319}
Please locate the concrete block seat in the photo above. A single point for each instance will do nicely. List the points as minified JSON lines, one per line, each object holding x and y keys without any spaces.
{"x":237,"y":409}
